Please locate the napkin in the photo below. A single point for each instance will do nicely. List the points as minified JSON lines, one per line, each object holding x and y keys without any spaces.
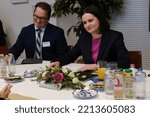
{"x":88,"y":73}
{"x":16,"y":96}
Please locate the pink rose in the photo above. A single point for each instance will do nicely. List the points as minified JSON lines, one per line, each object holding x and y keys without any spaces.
{"x":58,"y":77}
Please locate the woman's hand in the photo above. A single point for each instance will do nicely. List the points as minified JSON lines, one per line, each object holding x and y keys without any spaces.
{"x":5,"y":91}
{"x":54,"y":64}
{"x":88,"y":67}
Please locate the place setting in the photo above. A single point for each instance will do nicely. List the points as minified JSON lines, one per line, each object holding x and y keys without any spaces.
{"x":13,"y":77}
{"x":29,"y":73}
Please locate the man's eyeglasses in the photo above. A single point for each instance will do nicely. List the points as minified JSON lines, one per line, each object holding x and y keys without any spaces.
{"x":40,"y":18}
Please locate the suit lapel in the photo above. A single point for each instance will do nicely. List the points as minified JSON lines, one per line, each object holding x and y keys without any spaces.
{"x":103,"y":46}
{"x":89,"y":47}
{"x":33,"y":38}
{"x":47,"y":32}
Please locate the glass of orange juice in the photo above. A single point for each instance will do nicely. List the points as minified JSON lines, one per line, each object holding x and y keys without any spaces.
{"x":101,"y":69}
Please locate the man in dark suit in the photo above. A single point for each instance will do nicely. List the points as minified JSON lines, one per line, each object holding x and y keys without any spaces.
{"x":53,"y":42}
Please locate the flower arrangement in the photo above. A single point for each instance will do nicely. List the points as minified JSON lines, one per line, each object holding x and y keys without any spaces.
{"x":61,"y":77}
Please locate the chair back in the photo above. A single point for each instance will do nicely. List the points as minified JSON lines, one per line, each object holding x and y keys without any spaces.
{"x":4,"y":50}
{"x":136,"y":58}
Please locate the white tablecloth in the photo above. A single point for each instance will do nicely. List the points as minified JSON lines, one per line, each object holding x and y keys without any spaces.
{"x":32,"y":89}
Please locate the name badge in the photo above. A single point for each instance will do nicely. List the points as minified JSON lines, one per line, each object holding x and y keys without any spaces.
{"x":46,"y":44}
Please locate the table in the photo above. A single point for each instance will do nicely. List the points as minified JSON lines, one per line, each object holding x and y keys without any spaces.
{"x":32,"y":89}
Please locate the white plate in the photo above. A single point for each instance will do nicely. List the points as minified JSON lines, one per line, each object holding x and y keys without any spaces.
{"x":84,"y":94}
{"x":28,"y":75}
{"x":14,"y":81}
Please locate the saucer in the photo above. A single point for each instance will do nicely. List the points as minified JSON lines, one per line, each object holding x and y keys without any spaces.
{"x":29,"y":74}
{"x":85,"y":94}
{"x":13,"y":79}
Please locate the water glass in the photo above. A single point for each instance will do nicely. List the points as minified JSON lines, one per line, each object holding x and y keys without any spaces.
{"x":11,"y":65}
{"x":112,"y":65}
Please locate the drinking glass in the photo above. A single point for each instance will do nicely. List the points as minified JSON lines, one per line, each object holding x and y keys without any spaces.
{"x":101,"y":69}
{"x":11,"y":64}
{"x":112,"y":65}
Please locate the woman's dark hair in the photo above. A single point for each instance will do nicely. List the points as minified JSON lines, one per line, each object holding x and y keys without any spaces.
{"x":45,"y":6}
{"x":92,"y":9}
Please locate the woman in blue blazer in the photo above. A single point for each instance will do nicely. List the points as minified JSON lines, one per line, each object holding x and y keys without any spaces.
{"x":97,"y":42}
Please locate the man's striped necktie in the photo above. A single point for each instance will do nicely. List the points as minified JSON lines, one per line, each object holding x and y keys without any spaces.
{"x":38,"y":49}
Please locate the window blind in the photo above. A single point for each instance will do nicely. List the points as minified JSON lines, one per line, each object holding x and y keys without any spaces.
{"x":134,"y":24}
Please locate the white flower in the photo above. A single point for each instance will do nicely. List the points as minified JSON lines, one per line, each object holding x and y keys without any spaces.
{"x":71,"y":74}
{"x":44,"y":74}
{"x":75,"y":80}
{"x":64,"y":70}
{"x":84,"y":76}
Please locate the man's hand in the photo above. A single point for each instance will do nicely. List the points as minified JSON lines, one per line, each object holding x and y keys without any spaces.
{"x":54,"y":64}
{"x":6,"y":58}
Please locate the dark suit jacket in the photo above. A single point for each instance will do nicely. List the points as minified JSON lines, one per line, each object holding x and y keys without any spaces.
{"x":112,"y":48}
{"x":2,"y":35}
{"x":26,"y":41}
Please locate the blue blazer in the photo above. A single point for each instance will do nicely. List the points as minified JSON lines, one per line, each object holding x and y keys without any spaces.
{"x":112,"y":48}
{"x":27,"y":41}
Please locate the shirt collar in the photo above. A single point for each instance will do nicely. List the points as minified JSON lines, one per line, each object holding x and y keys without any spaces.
{"x":43,"y":29}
